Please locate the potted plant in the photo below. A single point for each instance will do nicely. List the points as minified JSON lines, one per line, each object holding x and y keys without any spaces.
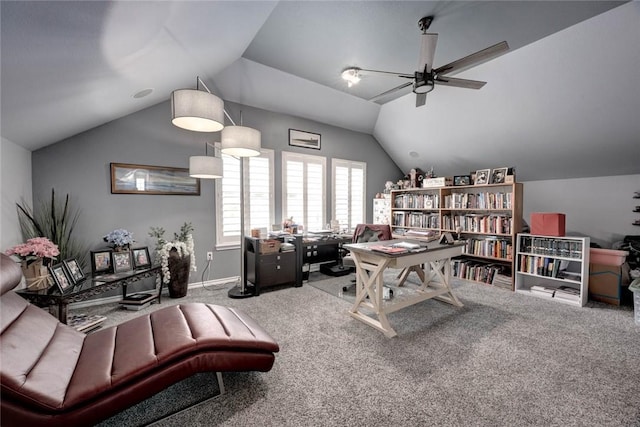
{"x":120,"y":239}
{"x":35,"y":255}
{"x":177,"y":258}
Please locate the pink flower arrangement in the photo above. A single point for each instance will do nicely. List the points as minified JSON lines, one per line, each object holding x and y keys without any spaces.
{"x":37,"y":247}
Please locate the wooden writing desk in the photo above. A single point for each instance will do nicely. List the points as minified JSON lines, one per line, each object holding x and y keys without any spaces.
{"x":370,"y":267}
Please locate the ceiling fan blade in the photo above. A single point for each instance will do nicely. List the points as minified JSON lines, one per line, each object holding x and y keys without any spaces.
{"x":473,"y":59}
{"x":452,"y":81}
{"x":390,"y":91}
{"x":427,"y":51}
{"x":421,"y":99}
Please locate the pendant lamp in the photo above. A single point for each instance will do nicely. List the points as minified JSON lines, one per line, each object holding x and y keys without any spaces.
{"x":205,"y":167}
{"x":240,"y":141}
{"x":197,"y":110}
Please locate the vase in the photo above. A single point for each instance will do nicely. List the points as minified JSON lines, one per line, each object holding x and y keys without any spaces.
{"x":179,"y":268}
{"x":36,"y":275}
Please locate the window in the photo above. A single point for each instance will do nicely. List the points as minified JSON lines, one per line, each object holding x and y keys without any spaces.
{"x":259,"y":209}
{"x":349,"y":180}
{"x":304,"y":189}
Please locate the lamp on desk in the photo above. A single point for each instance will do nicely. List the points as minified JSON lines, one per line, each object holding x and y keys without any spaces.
{"x":241,"y":141}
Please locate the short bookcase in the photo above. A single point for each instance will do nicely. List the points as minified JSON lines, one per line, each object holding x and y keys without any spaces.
{"x":546,"y":265}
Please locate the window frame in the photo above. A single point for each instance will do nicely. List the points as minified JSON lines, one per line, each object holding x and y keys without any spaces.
{"x":305,"y":159}
{"x":222,"y":242}
{"x":350,"y":164}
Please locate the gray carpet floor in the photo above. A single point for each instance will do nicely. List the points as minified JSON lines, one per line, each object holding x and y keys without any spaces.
{"x":504,"y":359}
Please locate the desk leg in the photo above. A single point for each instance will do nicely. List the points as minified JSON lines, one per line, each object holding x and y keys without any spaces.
{"x":370,"y":281}
{"x":440,"y":274}
{"x":406,"y":271}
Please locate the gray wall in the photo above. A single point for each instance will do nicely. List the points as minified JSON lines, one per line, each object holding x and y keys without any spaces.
{"x":80,"y":166}
{"x":601,"y":208}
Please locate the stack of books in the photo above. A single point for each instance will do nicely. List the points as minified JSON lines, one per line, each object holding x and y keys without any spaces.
{"x":542,"y":291}
{"x":567,"y":293}
{"x":137,"y":301}
{"x":84,"y":322}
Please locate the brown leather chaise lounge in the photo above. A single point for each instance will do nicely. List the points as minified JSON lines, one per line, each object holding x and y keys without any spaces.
{"x":51,"y":374}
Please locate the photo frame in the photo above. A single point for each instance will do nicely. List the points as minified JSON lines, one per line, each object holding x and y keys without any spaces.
{"x":300,"y":138}
{"x":143,"y":179}
{"x":482,"y":177}
{"x":121,"y":261}
{"x":499,"y":175}
{"x":141,"y":258}
{"x":61,"y":277}
{"x":462,"y":180}
{"x":101,"y":262}
{"x":74,"y":270}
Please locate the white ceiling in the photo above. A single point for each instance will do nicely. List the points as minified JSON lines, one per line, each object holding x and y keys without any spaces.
{"x":562,"y":103}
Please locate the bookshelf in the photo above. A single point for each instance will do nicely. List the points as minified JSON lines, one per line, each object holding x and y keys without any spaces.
{"x":488,"y":217}
{"x":555,"y":268}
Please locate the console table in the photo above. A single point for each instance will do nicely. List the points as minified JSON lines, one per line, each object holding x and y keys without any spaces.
{"x":88,"y":288}
{"x":370,"y":267}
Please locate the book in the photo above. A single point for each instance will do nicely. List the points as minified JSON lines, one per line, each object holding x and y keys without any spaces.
{"x":84,"y":322}
{"x":406,"y":245}
{"x":542,"y":291}
{"x":388,"y":249}
{"x":137,"y":299}
{"x":136,"y":307}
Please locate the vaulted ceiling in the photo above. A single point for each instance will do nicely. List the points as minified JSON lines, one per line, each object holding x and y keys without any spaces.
{"x":562,"y":103}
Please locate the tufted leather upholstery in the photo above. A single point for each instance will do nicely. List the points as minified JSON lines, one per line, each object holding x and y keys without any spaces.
{"x":51,"y":374}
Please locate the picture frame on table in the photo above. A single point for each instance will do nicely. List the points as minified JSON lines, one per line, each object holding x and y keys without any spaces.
{"x":121,"y":261}
{"x":74,"y":270}
{"x":499,"y":175}
{"x":101,"y":262}
{"x":482,"y":177}
{"x":300,"y":138}
{"x":60,"y":277}
{"x":141,"y":258}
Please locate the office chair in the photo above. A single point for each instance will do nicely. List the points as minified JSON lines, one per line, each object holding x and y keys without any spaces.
{"x":362,"y":234}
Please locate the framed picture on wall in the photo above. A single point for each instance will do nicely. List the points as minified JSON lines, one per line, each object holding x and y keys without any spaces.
{"x":142,"y":179}
{"x":300,"y":138}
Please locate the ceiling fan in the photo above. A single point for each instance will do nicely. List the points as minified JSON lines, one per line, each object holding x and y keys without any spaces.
{"x":426,"y":77}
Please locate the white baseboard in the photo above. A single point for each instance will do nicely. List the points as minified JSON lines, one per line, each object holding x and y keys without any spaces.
{"x":216,"y":283}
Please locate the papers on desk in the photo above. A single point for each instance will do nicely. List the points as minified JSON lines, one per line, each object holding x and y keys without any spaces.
{"x":399,"y":248}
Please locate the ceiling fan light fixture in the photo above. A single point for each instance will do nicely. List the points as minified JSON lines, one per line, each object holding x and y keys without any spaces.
{"x":351,"y":75}
{"x":422,"y":84}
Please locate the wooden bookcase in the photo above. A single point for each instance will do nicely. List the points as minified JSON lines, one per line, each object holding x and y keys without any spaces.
{"x":547,"y":264}
{"x":488,"y":216}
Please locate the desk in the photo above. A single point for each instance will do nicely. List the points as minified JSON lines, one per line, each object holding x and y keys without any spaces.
{"x":88,"y":288}
{"x":370,"y":266}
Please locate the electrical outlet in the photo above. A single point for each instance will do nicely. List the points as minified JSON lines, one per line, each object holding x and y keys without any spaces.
{"x":209,"y":256}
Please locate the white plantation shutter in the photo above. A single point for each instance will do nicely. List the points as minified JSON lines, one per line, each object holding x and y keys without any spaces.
{"x":304,"y":190}
{"x":259,"y":209}
{"x":349,"y":179}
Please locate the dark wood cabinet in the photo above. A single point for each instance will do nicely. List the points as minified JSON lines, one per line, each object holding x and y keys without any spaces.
{"x":272,"y":269}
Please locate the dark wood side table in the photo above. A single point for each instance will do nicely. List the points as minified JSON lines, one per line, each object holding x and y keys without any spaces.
{"x":90,"y":287}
